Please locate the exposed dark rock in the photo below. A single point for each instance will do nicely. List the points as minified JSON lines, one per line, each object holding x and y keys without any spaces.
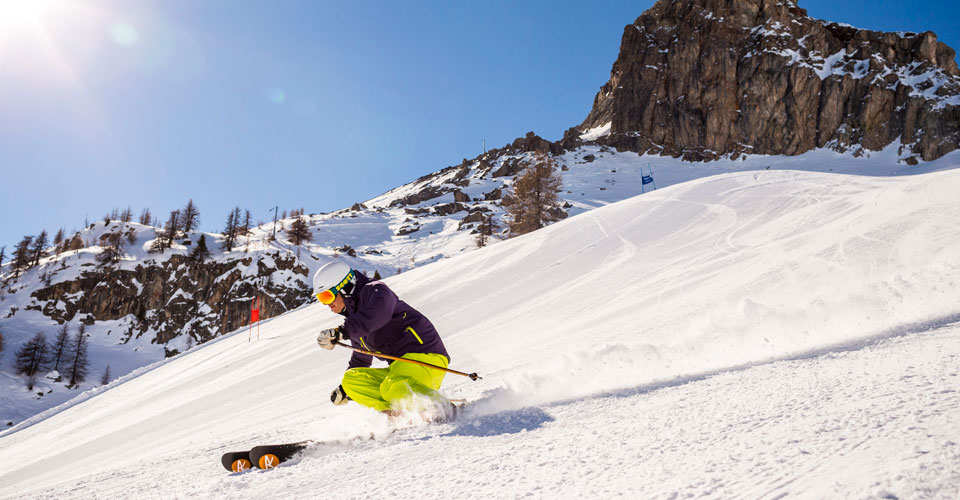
{"x":473,"y":218}
{"x":347,"y":249}
{"x":176,"y":296}
{"x":448,"y":208}
{"x":484,"y":167}
{"x":460,"y":196}
{"x":427,"y":193}
{"x":405,"y":230}
{"x":699,"y":79}
{"x":496,"y":194}
{"x":509,"y":167}
{"x":556,"y":213}
{"x":535,"y":144}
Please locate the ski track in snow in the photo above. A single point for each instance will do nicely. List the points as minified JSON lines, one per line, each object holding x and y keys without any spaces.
{"x":768,"y":431}
{"x":750,"y":335}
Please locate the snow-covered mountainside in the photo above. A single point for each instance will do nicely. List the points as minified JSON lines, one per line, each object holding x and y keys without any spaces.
{"x":787,"y":84}
{"x":150,"y":305}
{"x":748,"y":335}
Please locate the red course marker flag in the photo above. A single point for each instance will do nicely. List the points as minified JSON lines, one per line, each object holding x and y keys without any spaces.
{"x":254,"y":317}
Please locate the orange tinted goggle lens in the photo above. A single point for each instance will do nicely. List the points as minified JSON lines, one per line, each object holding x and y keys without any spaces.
{"x":326,"y":297}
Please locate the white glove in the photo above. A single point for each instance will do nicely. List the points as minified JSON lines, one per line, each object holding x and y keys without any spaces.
{"x":329,"y":337}
{"x":338,"y":397}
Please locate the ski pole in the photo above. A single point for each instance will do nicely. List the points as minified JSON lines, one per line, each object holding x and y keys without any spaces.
{"x":473,"y":376}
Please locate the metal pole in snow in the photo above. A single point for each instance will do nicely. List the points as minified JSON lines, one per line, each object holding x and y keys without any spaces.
{"x":274,"y":236}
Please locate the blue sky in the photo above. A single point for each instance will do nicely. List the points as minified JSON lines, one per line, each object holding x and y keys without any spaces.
{"x":314,"y":104}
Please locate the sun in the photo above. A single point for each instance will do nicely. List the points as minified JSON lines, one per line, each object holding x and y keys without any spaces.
{"x":20,"y":12}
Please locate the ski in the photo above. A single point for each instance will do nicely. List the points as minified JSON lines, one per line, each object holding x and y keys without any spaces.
{"x":236,"y":461}
{"x":271,"y":455}
{"x":262,"y":457}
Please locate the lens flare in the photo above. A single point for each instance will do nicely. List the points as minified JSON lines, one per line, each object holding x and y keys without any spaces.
{"x":276,"y":96}
{"x":124,"y":35}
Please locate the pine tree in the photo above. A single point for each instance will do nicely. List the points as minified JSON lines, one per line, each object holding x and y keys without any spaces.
{"x":174,"y":225}
{"x":485,"y":231}
{"x":159,"y":243}
{"x":61,"y":347}
{"x":230,"y":232}
{"x":58,"y":242}
{"x":31,"y":358}
{"x":113,"y":250}
{"x":534,"y":195}
{"x":105,"y":379}
{"x":21,"y":255}
{"x":76,"y":243}
{"x":376,"y":275}
{"x":37,"y":249}
{"x":299,"y":232}
{"x":238,"y":227}
{"x":126,"y":215}
{"x":79,"y":364}
{"x":3,"y":255}
{"x":246,"y":223}
{"x":481,"y":238}
{"x":201,"y":252}
{"x":191,"y":217}
{"x":146,"y":217}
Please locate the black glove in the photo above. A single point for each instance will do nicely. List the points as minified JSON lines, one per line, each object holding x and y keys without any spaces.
{"x":329,"y":337}
{"x":338,"y":397}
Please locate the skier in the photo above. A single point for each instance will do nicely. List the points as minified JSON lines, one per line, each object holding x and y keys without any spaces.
{"x":378,"y":321}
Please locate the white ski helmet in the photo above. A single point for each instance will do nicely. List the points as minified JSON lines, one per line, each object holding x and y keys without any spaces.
{"x":332,"y":277}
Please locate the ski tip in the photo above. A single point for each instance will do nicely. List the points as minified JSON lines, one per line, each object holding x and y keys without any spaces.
{"x":236,"y":461}
{"x":240,"y":465}
{"x":268,"y":461}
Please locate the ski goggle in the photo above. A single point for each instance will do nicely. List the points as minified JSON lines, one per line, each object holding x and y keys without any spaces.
{"x":327,"y":297}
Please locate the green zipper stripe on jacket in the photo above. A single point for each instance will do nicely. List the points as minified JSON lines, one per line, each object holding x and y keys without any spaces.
{"x":414,"y":332}
{"x":364,"y":344}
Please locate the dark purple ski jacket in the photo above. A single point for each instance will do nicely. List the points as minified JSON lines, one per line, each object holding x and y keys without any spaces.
{"x":378,"y":321}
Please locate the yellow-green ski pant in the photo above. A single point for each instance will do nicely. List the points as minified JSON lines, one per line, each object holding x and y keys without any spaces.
{"x":379,"y":388}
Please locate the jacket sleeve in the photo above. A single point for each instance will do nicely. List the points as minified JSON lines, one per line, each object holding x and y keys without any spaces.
{"x":376,"y":312}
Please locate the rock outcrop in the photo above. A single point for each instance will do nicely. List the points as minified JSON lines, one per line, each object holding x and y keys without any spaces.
{"x":700,"y":79}
{"x":178,"y":296}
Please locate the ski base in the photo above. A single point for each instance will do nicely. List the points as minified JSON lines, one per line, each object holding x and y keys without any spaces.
{"x":269,"y":456}
{"x":272,"y":455}
{"x":262,"y":457}
{"x":236,"y":461}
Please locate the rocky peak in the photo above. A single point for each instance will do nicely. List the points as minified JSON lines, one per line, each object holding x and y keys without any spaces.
{"x":706,"y":78}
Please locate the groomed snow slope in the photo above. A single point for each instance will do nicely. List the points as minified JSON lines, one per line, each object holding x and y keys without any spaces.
{"x":746,"y":335}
